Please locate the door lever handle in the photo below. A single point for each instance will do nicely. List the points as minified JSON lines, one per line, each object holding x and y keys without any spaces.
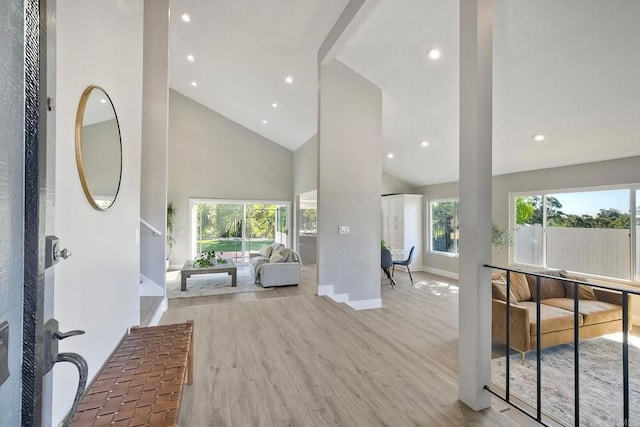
{"x":62,"y":335}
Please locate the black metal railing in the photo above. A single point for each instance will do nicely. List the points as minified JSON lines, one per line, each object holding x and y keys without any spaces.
{"x":576,"y":338}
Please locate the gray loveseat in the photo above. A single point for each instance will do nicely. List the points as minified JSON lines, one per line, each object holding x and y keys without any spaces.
{"x":275,"y":265}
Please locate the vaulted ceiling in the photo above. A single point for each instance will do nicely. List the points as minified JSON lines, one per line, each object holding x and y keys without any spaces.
{"x":569,"y":70}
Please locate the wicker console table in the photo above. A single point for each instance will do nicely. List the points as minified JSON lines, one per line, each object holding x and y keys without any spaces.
{"x":141,"y":384}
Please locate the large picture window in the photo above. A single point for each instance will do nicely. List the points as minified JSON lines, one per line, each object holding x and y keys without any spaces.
{"x":585,"y":231}
{"x":237,"y":228}
{"x":444,"y":226}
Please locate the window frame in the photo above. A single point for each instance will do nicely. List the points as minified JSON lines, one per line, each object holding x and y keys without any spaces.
{"x":634,"y":257}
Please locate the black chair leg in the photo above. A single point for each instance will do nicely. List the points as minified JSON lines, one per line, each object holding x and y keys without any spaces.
{"x":393,"y":270}
{"x":410,"y":276}
{"x":389,"y":276}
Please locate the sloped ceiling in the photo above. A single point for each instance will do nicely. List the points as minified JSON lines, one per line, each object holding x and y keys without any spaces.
{"x":567,"y":69}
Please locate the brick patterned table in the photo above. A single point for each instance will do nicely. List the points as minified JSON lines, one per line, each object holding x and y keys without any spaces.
{"x":141,"y":384}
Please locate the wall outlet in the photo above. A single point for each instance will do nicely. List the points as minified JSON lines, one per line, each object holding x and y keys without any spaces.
{"x":343,"y":229}
{"x":4,"y":351}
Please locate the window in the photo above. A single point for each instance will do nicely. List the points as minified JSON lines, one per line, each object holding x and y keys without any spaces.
{"x":585,"y":231}
{"x":444,"y":226}
{"x":237,"y":228}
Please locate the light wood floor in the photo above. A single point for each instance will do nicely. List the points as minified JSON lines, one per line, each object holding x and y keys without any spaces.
{"x":290,"y":358}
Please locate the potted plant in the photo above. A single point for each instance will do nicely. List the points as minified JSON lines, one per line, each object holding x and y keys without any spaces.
{"x":500,"y":238}
{"x":171,"y":241}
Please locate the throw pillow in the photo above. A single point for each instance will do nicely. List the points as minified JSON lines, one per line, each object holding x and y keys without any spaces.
{"x":265,"y":250}
{"x":584,"y":291}
{"x":286,"y":254}
{"x":549,"y":287}
{"x":499,"y":291}
{"x":276,"y":257}
{"x":519,"y":286}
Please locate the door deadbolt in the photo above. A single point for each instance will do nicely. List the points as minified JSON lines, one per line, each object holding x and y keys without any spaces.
{"x":53,"y":253}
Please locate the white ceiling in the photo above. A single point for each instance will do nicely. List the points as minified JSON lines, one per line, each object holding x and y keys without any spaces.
{"x":243,"y":51}
{"x":569,"y":70}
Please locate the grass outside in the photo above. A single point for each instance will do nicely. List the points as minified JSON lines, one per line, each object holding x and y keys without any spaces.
{"x":230,"y":245}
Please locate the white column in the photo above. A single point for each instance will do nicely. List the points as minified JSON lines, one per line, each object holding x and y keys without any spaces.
{"x":349,"y":184}
{"x":474,"y":348}
{"x":155,"y":134}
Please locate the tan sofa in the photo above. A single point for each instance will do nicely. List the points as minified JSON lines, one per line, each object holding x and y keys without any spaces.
{"x":600,"y":311}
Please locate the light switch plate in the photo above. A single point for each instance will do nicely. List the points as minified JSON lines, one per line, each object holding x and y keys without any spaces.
{"x":343,"y":229}
{"x":4,"y":351}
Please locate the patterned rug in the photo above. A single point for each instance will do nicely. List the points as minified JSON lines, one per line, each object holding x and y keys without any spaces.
{"x":201,"y":285}
{"x":600,"y":378}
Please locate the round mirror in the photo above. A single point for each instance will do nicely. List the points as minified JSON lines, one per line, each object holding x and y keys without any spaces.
{"x":98,"y":148}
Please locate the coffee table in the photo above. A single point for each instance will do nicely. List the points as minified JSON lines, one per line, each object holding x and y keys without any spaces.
{"x":190,"y":268}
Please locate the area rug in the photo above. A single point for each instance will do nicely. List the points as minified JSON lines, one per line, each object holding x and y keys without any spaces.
{"x":201,"y":285}
{"x":601,"y":395}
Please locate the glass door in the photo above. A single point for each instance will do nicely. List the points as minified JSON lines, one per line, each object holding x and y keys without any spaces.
{"x":237,"y":229}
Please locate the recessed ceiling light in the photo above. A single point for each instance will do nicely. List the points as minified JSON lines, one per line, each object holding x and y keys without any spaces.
{"x":194,"y":84}
{"x":390,"y":155}
{"x":264,"y":122}
{"x":186,"y":17}
{"x":103,"y":101}
{"x":424,"y":143}
{"x":190,"y":58}
{"x":538,"y":137}
{"x":433,"y":53}
{"x":288,"y":79}
{"x":274,"y":105}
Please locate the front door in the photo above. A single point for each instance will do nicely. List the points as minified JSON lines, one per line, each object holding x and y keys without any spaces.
{"x":12,"y":146}
{"x":26,"y":209}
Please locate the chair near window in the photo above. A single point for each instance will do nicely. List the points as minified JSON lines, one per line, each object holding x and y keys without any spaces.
{"x":405,"y":263}
{"x":386,"y":263}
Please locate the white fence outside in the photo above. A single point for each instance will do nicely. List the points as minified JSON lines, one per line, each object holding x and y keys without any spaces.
{"x":599,"y":251}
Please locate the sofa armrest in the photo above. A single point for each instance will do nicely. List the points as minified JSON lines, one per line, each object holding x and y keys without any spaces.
{"x":254,"y":255}
{"x":519,"y":326}
{"x":614,"y":298}
{"x":280,"y":273}
{"x":608,"y":296}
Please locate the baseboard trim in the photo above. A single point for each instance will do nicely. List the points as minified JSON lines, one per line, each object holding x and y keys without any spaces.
{"x":159,"y":312}
{"x":365,"y":304}
{"x":443,"y":273}
{"x":327,"y":290}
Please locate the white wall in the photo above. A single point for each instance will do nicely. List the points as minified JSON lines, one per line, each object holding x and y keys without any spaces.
{"x":610,"y":172}
{"x":155,"y":134}
{"x":305,"y":167}
{"x":213,"y":157}
{"x":96,"y":289}
{"x":349,"y":183}
{"x":393,"y":185}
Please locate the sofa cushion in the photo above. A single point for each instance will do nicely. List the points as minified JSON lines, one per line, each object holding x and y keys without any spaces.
{"x":276,"y":246}
{"x":499,"y":291}
{"x":584,"y":291}
{"x":265,"y":250}
{"x":258,"y":259}
{"x":549,"y":288}
{"x":592,"y":311}
{"x":518,"y":285}
{"x":276,"y":257}
{"x":553,"y":318}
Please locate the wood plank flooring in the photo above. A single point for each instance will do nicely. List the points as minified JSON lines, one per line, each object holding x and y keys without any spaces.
{"x":290,"y":358}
